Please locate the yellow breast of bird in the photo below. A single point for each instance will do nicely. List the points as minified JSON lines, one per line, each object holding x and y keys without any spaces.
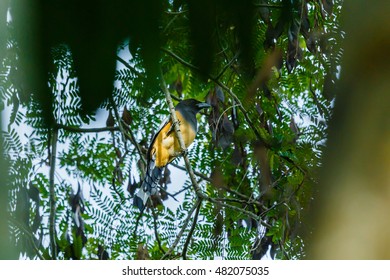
{"x":166,"y":146}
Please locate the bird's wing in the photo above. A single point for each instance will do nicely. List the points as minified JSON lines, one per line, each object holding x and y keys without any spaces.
{"x":157,"y":158}
{"x":151,"y":146}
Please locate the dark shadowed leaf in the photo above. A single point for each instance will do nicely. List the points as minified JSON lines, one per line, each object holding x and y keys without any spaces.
{"x":220,"y":94}
{"x":264,"y":11}
{"x":157,"y":200}
{"x":201,"y":14}
{"x":226,"y":133}
{"x":218,"y":225}
{"x":126,"y":116}
{"x":311,"y":42}
{"x":294,"y":53}
{"x":261,"y":247}
{"x":266,"y":91}
{"x":328,"y":6}
{"x":305,"y":23}
{"x":294,"y":128}
{"x":102,"y":253}
{"x":33,"y":193}
{"x":237,"y":155}
{"x":217,"y":179}
{"x":259,"y":109}
{"x":212,"y":98}
{"x":234,"y":115}
{"x":179,"y":86}
{"x":273,"y":33}
{"x":110,"y":122}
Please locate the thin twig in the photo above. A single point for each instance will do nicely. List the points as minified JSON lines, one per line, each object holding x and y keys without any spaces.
{"x":183,"y":228}
{"x":85,"y":130}
{"x":202,"y":176}
{"x":137,"y":223}
{"x":236,"y":200}
{"x":179,"y":59}
{"x":114,"y":176}
{"x":168,"y":193}
{"x":241,"y":107}
{"x":154,"y":215}
{"x":52,"y":216}
{"x":180,"y":191}
{"x":286,"y":158}
{"x":170,"y":22}
{"x":114,"y":145}
{"x":227,"y":66}
{"x":239,"y":210}
{"x":118,"y":118}
{"x":222,"y":115}
{"x":192,"y":229}
{"x":176,"y":13}
{"x":281,"y":246}
{"x":132,"y":68}
{"x":132,"y":139}
{"x":272,"y":6}
{"x":247,"y":199}
{"x":28,"y":232}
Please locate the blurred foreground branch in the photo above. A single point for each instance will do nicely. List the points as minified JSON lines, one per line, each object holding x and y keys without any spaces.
{"x":351,"y":220}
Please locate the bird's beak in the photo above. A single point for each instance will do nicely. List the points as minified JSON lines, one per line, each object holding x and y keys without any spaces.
{"x":203,"y":105}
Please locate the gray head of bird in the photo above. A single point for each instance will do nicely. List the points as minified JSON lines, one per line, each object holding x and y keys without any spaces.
{"x":191,"y":105}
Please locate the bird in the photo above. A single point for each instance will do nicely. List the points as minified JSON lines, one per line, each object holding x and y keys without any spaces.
{"x":165,"y":147}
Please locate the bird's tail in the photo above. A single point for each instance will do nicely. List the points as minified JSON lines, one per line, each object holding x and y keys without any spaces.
{"x":149,"y":185}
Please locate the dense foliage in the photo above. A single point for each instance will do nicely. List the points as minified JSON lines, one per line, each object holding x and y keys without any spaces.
{"x":255,"y":156}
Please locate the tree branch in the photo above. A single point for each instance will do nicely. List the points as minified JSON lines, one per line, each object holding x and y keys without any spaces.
{"x":190,"y":233}
{"x":180,"y":191}
{"x":132,"y":139}
{"x":156,"y":231}
{"x":52,"y":216}
{"x":183,"y":228}
{"x":202,"y":176}
{"x":85,"y":130}
{"x":237,"y":200}
{"x":238,"y":209}
{"x":132,"y":68}
{"x":272,"y":6}
{"x":176,"y":13}
{"x":30,"y":235}
{"x":179,"y":59}
{"x":227,"y":66}
{"x":246,"y":198}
